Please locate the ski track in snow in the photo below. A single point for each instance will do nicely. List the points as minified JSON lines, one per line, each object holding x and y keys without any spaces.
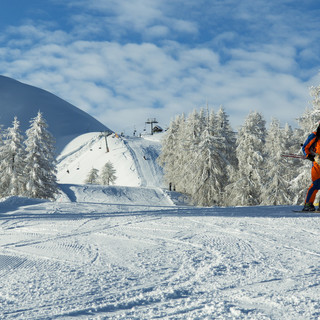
{"x":101,"y":261}
{"x":136,"y":251}
{"x":144,"y":151}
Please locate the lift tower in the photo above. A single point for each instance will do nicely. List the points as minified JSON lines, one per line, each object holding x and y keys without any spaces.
{"x":151,"y":121}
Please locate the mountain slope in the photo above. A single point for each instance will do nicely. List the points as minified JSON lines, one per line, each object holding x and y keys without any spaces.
{"x":133,"y":158}
{"x":24,"y":101}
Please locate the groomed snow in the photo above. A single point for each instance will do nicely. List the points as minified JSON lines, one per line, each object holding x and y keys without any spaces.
{"x":91,"y":260}
{"x":137,"y":251}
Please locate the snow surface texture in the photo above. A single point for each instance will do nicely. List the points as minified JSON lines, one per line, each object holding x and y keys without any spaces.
{"x":136,"y":251}
{"x":65,"y":120}
{"x":94,"y":260}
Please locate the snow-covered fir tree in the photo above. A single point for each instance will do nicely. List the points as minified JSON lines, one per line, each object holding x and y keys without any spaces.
{"x":171,"y":151}
{"x":249,"y":179}
{"x":293,"y":145}
{"x":189,"y":140}
{"x":40,"y":170}
{"x":208,"y":174}
{"x":227,"y":137}
{"x":227,"y":144}
{"x":12,"y":165}
{"x":194,"y":160}
{"x":108,"y":174}
{"x":278,"y":178}
{"x":93,"y":176}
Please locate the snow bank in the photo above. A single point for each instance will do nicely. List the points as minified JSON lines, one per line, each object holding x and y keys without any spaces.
{"x":116,"y":195}
{"x":13,"y":203}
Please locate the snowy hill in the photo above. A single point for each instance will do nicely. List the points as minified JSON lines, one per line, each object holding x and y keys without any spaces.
{"x":133,"y":158}
{"x":24,"y":101}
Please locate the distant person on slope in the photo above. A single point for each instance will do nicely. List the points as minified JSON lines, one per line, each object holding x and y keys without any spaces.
{"x":311,"y":149}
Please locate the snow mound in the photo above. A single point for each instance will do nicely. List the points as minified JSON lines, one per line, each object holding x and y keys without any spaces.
{"x":14,"y":202}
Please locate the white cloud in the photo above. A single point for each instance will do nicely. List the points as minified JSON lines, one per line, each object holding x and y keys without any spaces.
{"x":123,"y":83}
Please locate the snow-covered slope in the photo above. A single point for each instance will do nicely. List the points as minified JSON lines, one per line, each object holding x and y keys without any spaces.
{"x":133,"y":158}
{"x":86,"y":260}
{"x":115,"y":195}
{"x":24,"y":101}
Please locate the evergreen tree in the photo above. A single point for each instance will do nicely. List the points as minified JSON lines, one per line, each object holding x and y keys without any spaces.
{"x":194,"y":156}
{"x":40,"y":170}
{"x":12,"y":163}
{"x":293,"y":143}
{"x":108,"y":174}
{"x":189,"y":139}
{"x":227,"y":137}
{"x":93,"y":177}
{"x":208,"y":174}
{"x":249,"y":180}
{"x":227,"y":144}
{"x":277,"y":187}
{"x":310,"y":118}
{"x":171,"y":148}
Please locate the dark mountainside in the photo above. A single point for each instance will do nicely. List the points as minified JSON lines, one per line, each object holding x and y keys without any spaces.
{"x":24,"y":101}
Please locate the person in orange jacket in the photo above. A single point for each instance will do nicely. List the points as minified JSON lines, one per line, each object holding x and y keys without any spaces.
{"x":311,"y":149}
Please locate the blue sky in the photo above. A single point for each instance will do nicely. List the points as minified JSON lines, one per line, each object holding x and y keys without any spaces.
{"x":124,"y":61}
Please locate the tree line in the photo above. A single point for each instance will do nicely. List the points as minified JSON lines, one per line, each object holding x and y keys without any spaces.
{"x":203,"y":157}
{"x":27,"y":162}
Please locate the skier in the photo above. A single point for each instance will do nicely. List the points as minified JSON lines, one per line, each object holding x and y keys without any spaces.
{"x":311,"y":149}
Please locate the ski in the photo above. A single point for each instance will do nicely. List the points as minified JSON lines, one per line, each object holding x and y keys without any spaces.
{"x":293,"y":155}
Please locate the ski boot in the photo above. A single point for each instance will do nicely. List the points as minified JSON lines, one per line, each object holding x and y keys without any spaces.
{"x":308,"y":207}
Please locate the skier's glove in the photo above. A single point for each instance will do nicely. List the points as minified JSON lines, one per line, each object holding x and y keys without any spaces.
{"x":310,"y":157}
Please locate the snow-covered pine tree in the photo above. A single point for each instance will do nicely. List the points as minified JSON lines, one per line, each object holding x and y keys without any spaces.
{"x":108,"y":174}
{"x":93,"y":176}
{"x":208,"y":175}
{"x":40,"y":170}
{"x":189,"y":139}
{"x":293,"y":145}
{"x":12,"y":165}
{"x":227,"y":145}
{"x":277,"y":187}
{"x":227,"y":137}
{"x":170,"y":150}
{"x":249,"y":179}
